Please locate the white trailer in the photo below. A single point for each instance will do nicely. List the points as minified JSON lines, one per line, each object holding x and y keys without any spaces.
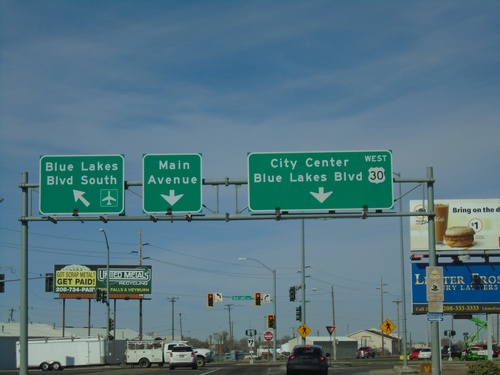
{"x":55,"y":353}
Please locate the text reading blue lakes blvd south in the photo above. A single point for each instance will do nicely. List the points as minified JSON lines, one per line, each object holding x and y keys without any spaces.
{"x":320,"y":180}
{"x":86,"y":184}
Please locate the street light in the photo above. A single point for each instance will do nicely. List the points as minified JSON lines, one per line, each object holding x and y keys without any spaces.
{"x":107,"y":293}
{"x":274,"y":301}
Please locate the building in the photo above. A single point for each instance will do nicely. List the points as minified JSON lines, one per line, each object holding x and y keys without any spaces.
{"x":345,"y":346}
{"x":373,"y":337}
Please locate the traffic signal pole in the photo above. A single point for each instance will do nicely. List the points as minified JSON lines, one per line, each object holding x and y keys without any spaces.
{"x":303,"y":282}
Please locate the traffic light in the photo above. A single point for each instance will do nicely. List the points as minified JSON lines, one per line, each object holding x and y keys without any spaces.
{"x":49,"y":282}
{"x":257,"y":299}
{"x":298,"y":313}
{"x":104,"y":296}
{"x":271,"y":322}
{"x":2,"y":283}
{"x":291,"y":293}
{"x":98,"y":295}
{"x":111,"y":324}
{"x":210,"y":300}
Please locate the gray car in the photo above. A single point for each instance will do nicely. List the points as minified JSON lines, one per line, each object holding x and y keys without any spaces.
{"x":307,"y":358}
{"x":183,"y":356}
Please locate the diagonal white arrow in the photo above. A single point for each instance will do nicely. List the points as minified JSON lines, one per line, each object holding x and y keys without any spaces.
{"x":172,"y":198}
{"x":321,"y":195}
{"x":79,"y":196}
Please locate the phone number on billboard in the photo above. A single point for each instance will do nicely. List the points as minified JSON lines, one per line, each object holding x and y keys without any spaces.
{"x":451,"y":308}
{"x":65,"y":289}
{"x":461,"y":308}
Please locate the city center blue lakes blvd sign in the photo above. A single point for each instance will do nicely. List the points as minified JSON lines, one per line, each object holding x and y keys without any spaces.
{"x":320,"y":180}
{"x":171,"y":182}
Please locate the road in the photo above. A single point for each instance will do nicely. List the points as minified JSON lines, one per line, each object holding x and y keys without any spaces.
{"x":351,"y":368}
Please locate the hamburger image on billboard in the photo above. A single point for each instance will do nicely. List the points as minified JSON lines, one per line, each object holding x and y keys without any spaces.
{"x":464,"y":224}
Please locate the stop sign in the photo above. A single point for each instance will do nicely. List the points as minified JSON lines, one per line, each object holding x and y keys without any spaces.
{"x":268,"y":335}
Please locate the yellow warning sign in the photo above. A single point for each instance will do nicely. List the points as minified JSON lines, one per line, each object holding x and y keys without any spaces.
{"x":304,"y":330}
{"x":387,"y":326}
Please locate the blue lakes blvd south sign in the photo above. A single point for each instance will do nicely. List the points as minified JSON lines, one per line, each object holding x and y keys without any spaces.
{"x":320,"y":180}
{"x":83,"y":184}
{"x":171,"y":182}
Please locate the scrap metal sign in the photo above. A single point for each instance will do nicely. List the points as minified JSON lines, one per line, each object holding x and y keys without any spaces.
{"x":85,"y":279}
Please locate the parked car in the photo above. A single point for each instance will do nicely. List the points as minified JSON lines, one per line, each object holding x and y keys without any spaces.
{"x":307,"y":358}
{"x":365,"y":352}
{"x":456,"y":352}
{"x":414,"y":353}
{"x":482,"y":349}
{"x":182,"y":356}
{"x":425,"y":353}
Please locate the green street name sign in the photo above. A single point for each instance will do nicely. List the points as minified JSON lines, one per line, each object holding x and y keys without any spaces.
{"x":171,"y":182}
{"x":320,"y":180}
{"x":86,"y":184}
{"x":241,"y":298}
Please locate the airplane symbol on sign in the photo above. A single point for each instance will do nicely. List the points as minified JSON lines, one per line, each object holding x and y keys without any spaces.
{"x":109,"y":199}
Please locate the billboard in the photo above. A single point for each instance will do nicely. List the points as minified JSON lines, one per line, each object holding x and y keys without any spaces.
{"x":85,"y":279}
{"x":464,"y":224}
{"x":469,"y":288}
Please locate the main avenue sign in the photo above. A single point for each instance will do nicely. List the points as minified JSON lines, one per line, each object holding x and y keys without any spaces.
{"x":320,"y":180}
{"x":82,"y":184}
{"x":171,"y":182}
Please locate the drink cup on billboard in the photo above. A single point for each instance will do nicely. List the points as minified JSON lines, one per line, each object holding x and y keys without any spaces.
{"x":440,"y":221}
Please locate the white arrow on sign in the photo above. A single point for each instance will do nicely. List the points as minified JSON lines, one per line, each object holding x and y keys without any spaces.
{"x":172,"y":198}
{"x":321,"y":195}
{"x":79,"y":196}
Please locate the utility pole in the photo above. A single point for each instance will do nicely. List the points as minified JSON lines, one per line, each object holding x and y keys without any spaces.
{"x":173,"y":299}
{"x":335,"y":329}
{"x":230,"y":325}
{"x":382,"y":313}
{"x":397,"y":302}
{"x":180,"y":325}
{"x":139,"y":251}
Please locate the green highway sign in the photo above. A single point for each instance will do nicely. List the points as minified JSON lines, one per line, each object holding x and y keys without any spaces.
{"x":171,"y":182}
{"x":320,"y":180}
{"x":242,"y":298}
{"x":83,"y":184}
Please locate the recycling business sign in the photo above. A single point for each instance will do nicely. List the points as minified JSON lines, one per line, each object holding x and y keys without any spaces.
{"x":320,"y":180}
{"x":171,"y":182}
{"x":81,"y":184}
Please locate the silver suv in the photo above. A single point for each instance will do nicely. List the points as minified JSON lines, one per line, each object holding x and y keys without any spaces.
{"x":183,"y":356}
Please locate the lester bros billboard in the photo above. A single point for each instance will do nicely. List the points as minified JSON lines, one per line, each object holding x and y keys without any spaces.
{"x":469,"y":288}
{"x":460,"y":225}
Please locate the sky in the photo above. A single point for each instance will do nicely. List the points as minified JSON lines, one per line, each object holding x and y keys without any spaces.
{"x":225,"y":78}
